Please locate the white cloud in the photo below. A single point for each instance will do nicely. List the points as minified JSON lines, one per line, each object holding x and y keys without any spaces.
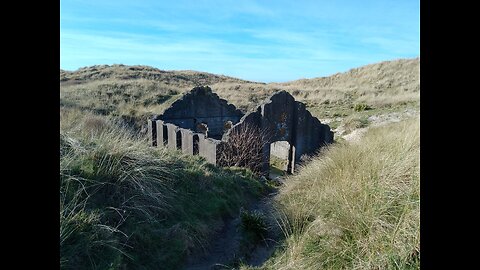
{"x":254,"y":40}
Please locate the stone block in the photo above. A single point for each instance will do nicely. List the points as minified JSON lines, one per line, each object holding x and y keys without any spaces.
{"x":172,"y":136}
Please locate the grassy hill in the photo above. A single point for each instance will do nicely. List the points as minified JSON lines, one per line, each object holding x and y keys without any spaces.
{"x":125,"y":205}
{"x":379,"y":84}
{"x":134,"y":93}
{"x":185,"y":78}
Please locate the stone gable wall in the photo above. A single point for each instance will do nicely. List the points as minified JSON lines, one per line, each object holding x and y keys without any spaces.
{"x":201,"y":105}
{"x":280,"y":115}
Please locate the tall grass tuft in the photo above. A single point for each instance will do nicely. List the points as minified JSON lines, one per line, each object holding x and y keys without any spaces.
{"x":355,"y":206}
{"x":124,"y":204}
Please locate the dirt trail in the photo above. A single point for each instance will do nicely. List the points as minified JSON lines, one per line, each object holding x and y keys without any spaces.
{"x":226,"y":247}
{"x":376,"y":121}
{"x":221,"y":252}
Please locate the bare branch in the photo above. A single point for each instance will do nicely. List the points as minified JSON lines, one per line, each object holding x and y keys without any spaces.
{"x":244,"y":148}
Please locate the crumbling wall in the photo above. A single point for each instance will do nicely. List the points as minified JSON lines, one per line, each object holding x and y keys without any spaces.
{"x":285,"y":119}
{"x":280,"y":117}
{"x":198,"y":106}
{"x":168,"y":135}
{"x":161,"y":135}
{"x":187,"y":141}
{"x":210,"y":149}
{"x":172,"y":136}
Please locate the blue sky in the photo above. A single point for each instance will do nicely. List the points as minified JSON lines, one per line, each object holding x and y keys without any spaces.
{"x":267,"y":41}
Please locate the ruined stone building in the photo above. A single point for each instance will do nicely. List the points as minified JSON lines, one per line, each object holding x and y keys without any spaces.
{"x":200,"y":122}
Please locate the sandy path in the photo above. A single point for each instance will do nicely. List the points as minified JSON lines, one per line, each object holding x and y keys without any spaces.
{"x":376,"y":121}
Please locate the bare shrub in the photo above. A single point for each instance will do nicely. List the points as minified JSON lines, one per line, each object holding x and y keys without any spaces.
{"x":244,"y":148}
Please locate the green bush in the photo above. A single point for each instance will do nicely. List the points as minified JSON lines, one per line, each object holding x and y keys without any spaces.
{"x":254,"y":222}
{"x":361,"y":107}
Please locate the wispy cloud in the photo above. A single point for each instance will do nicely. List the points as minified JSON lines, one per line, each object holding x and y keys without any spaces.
{"x":254,"y":40}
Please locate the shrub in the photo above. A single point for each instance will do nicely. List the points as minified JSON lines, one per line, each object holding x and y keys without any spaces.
{"x":244,"y":148}
{"x":361,"y":107}
{"x":254,"y":222}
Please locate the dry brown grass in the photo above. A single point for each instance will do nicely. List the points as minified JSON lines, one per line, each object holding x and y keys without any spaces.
{"x":379,"y":84}
{"x":138,"y":92}
{"x":356,"y":206}
{"x":126,"y":205}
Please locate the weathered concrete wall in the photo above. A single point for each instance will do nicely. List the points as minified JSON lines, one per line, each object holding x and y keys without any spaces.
{"x":201,"y":145}
{"x":162,"y":133}
{"x":172,"y":136}
{"x":280,"y":149}
{"x":280,"y":117}
{"x":201,"y":105}
{"x":311,"y":134}
{"x":209,"y":149}
{"x":187,"y":141}
{"x":285,"y":119}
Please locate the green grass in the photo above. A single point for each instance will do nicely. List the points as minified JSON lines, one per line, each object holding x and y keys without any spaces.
{"x":277,"y":165}
{"x":254,"y":222}
{"x":254,"y":229}
{"x":135,"y":99}
{"x":355,"y":206}
{"x":345,"y":109}
{"x":125,"y":204}
{"x":361,"y":107}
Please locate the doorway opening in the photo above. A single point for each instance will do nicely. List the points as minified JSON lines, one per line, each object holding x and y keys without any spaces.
{"x":179,"y":139}
{"x":196,"y":140}
{"x":280,"y":159}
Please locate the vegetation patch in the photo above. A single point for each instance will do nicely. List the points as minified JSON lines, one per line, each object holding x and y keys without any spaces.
{"x":253,"y":222}
{"x":361,"y":107}
{"x":355,"y":122}
{"x":124,"y":204}
{"x":355,"y":206}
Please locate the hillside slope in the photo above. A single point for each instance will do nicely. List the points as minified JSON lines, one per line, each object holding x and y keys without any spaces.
{"x":125,"y":205}
{"x":376,"y":84}
{"x":137,"y":92}
{"x":180,"y":78}
{"x":355,"y":206}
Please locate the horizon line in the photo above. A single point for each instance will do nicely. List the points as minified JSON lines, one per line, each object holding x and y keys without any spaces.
{"x":230,"y":76}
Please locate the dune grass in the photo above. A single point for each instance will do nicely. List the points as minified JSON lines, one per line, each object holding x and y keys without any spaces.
{"x":137,"y":92}
{"x":125,"y":205}
{"x":355,"y":206}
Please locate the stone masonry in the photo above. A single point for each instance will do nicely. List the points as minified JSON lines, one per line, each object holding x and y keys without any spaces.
{"x":280,"y":115}
{"x":198,"y":106}
{"x":287,"y":120}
